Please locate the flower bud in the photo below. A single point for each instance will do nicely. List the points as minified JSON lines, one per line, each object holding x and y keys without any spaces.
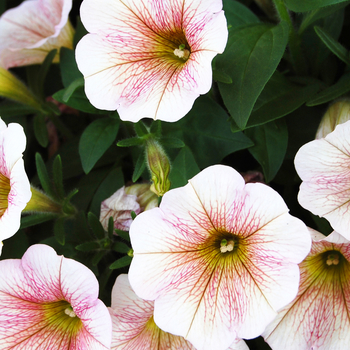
{"x":337,"y":113}
{"x":159,"y":167}
{"x":137,"y":198}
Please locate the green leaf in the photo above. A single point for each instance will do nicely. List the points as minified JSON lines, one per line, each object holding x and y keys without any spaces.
{"x":44,"y":68}
{"x":35,"y":219}
{"x":96,"y":226}
{"x":95,"y":141}
{"x":279,"y":98}
{"x":339,"y":50}
{"x":13,"y":109}
{"x":69,"y":68}
{"x":339,"y":88}
{"x":270,"y":147}
{"x":113,"y":181}
{"x":88,"y":246}
{"x":80,"y":31}
{"x":43,"y":176}
{"x":110,"y":227}
{"x":238,"y":15}
{"x":122,"y":262}
{"x":123,"y":234}
{"x":59,"y":231}
{"x":40,"y":130}
{"x":58,"y":176}
{"x":156,"y":128}
{"x":97,"y":257}
{"x":121,"y":247}
{"x":172,"y":142}
{"x":183,"y":168}
{"x":250,"y":58}
{"x":77,"y":100}
{"x":221,"y":77}
{"x":140,"y":129}
{"x":132,"y":141}
{"x":139,"y":167}
{"x":314,"y":15}
{"x":69,"y":91}
{"x":303,"y":5}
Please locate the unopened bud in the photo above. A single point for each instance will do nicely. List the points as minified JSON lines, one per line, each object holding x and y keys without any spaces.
{"x":337,"y":113}
{"x":159,"y":166}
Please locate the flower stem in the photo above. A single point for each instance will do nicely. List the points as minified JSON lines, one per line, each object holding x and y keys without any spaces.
{"x":297,"y":57}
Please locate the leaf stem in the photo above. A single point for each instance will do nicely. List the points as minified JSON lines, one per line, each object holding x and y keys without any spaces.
{"x":297,"y":57}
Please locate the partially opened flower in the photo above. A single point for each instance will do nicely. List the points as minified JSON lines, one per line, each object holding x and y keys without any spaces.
{"x":31,"y":30}
{"x":134,"y":327}
{"x":324,"y":167}
{"x":14,"y":184}
{"x":318,"y":318}
{"x":149,"y":58}
{"x":50,"y":302}
{"x":218,"y":257}
{"x":136,"y":198}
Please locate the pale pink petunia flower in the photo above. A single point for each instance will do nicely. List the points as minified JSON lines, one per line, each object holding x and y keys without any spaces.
{"x":14,"y":184}
{"x":31,"y":30}
{"x":135,"y":198}
{"x":218,"y":257}
{"x":324,"y":167}
{"x":134,"y":327}
{"x":49,"y":302}
{"x":318,"y":318}
{"x":149,"y":58}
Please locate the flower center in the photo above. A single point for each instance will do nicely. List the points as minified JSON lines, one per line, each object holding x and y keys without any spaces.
{"x":332,"y":259}
{"x":226,"y":246}
{"x":182,"y":52}
{"x":5,"y":188}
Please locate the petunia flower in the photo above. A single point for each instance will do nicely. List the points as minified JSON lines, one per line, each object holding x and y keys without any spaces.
{"x":31,"y":30}
{"x":136,"y":198}
{"x":50,"y":302}
{"x":14,"y":184}
{"x":149,"y":58}
{"x":318,"y":318}
{"x":218,"y":257}
{"x":134,"y":327}
{"x":324,"y":167}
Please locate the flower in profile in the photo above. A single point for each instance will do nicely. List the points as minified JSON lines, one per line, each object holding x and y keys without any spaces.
{"x":149,"y":58}
{"x":218,"y":257}
{"x":136,"y":198}
{"x":50,"y":302}
{"x":324,"y":167}
{"x":134,"y":327}
{"x":31,"y":30}
{"x":318,"y":318}
{"x":14,"y":184}
{"x":337,"y":113}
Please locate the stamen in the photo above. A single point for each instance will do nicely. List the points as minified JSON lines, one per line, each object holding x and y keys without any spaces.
{"x":226,"y":246}
{"x":332,"y":259}
{"x":68,"y":311}
{"x":181,"y":52}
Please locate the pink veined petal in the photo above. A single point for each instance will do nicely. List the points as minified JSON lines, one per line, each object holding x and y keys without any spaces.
{"x":319,"y":316}
{"x":126,"y":71}
{"x":323,"y":165}
{"x":196,"y":290}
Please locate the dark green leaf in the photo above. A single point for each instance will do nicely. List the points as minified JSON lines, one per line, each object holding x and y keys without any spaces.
{"x":44,"y":68}
{"x":333,"y":92}
{"x":172,"y":142}
{"x":133,"y":215}
{"x":139,"y":167}
{"x":95,"y":140}
{"x":59,"y":231}
{"x":302,"y":6}
{"x":123,"y":234}
{"x":88,"y":246}
{"x":121,"y":247}
{"x":156,"y":128}
{"x":68,"y":66}
{"x":339,"y":50}
{"x":113,"y":181}
{"x":35,"y":219}
{"x":80,"y":31}
{"x":238,"y":15}
{"x":12,"y":109}
{"x":97,"y":257}
{"x":221,"y":77}
{"x":122,"y":262}
{"x":183,"y":168}
{"x":40,"y":130}
{"x":69,"y":91}
{"x":96,"y":226}
{"x":110,"y":227}
{"x":270,"y":147}
{"x":132,"y":141}
{"x":251,"y":56}
{"x":58,"y":176}
{"x":140,"y":129}
{"x":43,"y":176}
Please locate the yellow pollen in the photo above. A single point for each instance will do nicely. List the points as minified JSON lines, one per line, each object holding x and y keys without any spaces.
{"x":332,"y":259}
{"x":226,"y":246}
{"x":5,"y":188}
{"x":181,"y":52}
